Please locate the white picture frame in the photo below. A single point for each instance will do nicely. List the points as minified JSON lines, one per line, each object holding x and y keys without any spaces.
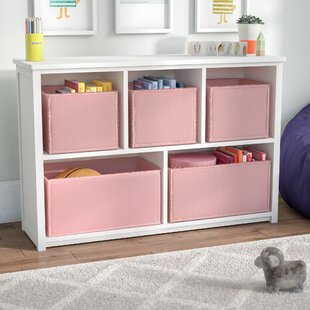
{"x":144,"y":16}
{"x":206,"y":23}
{"x":67,"y":21}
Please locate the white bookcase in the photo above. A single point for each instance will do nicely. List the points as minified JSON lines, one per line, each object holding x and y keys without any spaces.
{"x":121,"y":70}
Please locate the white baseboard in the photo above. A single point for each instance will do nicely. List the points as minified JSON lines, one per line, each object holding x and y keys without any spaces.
{"x":10,"y":202}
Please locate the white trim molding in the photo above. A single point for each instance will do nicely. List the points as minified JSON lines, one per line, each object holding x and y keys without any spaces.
{"x":10,"y":202}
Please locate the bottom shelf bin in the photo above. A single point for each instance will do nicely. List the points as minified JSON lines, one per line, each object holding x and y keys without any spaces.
{"x":126,"y":194}
{"x":219,"y":191}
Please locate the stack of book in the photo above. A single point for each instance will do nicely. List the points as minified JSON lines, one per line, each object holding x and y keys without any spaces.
{"x":95,"y":86}
{"x":151,"y":82}
{"x":233,"y":155}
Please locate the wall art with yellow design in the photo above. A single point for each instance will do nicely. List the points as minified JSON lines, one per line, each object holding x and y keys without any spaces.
{"x":67,"y":17}
{"x":219,"y":15}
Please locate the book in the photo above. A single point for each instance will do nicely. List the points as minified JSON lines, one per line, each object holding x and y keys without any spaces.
{"x":99,"y":89}
{"x":153,"y":83}
{"x":106,"y":85}
{"x":235,"y":151}
{"x":223,"y":159}
{"x":78,"y":86}
{"x":249,"y":157}
{"x":233,"y":155}
{"x":61,"y":91}
{"x":160,"y":81}
{"x":180,"y":85}
{"x":257,"y":155}
{"x":138,"y":85}
{"x":170,"y":82}
{"x":91,"y":88}
{"x":69,"y":90}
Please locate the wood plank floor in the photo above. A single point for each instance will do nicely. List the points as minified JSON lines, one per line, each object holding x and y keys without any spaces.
{"x":18,"y":253}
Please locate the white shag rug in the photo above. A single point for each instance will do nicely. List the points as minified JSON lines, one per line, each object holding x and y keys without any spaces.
{"x":222,"y":277}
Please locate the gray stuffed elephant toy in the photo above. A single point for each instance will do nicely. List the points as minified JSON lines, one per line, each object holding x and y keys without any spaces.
{"x":281,"y":275}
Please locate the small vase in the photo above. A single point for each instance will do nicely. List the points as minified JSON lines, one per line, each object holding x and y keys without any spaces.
{"x":248,"y":33}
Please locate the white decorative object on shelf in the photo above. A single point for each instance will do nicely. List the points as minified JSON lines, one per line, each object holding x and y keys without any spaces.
{"x":143,"y":16}
{"x":192,"y":71}
{"x":219,"y":15}
{"x":67,"y":18}
{"x":216,"y":48}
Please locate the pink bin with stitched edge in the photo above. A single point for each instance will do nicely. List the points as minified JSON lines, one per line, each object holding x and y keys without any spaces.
{"x":79,"y":122}
{"x":127,"y":194}
{"x":162,"y":117}
{"x":219,"y":191}
{"x":237,"y":109}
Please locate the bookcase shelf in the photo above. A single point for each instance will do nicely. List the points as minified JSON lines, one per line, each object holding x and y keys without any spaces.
{"x":193,"y":71}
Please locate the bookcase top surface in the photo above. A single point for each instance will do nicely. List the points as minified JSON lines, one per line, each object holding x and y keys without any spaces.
{"x":142,"y":61}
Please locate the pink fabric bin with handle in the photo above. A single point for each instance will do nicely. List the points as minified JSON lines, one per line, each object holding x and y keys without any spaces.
{"x":219,"y":191}
{"x":162,"y":117}
{"x":127,"y":194}
{"x":79,"y":122}
{"x":237,"y":109}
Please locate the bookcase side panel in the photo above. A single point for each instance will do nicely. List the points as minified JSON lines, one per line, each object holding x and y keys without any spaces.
{"x":31,"y":161}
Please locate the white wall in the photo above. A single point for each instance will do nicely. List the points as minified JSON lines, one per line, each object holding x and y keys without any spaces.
{"x":286,"y":33}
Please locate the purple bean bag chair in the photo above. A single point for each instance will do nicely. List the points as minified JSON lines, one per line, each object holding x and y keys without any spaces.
{"x":295,"y":163}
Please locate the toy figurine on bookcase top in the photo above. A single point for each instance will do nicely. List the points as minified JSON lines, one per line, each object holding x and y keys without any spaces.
{"x":260,"y":45}
{"x":63,"y":6}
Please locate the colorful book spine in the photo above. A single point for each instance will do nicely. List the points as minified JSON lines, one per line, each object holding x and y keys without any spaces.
{"x":233,"y":155}
{"x":69,"y":90}
{"x":257,"y":155}
{"x":78,"y":86}
{"x":248,"y":155}
{"x":180,"y":85}
{"x":138,"y":85}
{"x":223,"y":159}
{"x":160,"y":81}
{"x":172,"y":83}
{"x":106,"y":85}
{"x":154,"y":84}
{"x":90,"y":88}
{"x":235,"y":151}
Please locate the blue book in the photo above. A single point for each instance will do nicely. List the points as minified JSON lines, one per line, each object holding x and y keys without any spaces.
{"x":138,"y":85}
{"x":180,"y":85}
{"x":160,"y":81}
{"x":154,"y":84}
{"x":170,"y":82}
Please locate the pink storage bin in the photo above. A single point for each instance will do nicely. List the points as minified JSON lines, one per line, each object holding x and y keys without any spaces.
{"x":162,"y":117}
{"x":127,"y":194}
{"x":219,"y":191}
{"x":192,"y":159}
{"x":237,"y":109}
{"x":79,"y":122}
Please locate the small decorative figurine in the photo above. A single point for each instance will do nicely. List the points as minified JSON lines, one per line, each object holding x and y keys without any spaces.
{"x":281,"y":275}
{"x":260,"y":45}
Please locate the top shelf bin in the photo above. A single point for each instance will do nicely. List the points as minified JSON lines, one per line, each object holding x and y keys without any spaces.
{"x":237,"y":109}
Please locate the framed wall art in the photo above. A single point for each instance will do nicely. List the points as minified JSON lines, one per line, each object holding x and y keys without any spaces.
{"x":219,"y":15}
{"x":143,"y":16}
{"x":67,"y":17}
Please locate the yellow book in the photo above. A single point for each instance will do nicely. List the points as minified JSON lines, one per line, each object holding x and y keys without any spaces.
{"x":81,"y":87}
{"x":106,"y":85}
{"x":91,"y":88}
{"x":99,"y":89}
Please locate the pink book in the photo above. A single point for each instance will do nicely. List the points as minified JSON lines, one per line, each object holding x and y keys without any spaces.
{"x":234,"y":156}
{"x":223,"y":158}
{"x":257,"y":155}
